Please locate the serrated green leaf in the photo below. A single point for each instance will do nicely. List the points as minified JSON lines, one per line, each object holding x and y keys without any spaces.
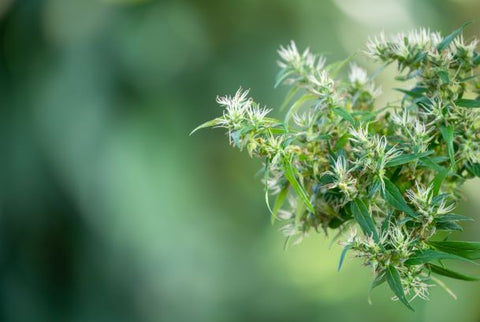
{"x":452,"y":274}
{"x":447,"y":134}
{"x":290,"y":175}
{"x":362,"y":216}
{"x":342,"y":256}
{"x":469,"y":250}
{"x":210,"y":123}
{"x":395,"y":283}
{"x":463,"y":102}
{"x":428,"y":255}
{"x":395,"y":198}
{"x":448,"y":39}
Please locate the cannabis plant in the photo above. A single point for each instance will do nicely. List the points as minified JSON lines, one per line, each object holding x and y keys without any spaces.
{"x":386,"y":178}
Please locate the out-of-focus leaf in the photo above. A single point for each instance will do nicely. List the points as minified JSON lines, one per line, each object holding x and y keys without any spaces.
{"x":334,"y":68}
{"x":365,"y":116}
{"x":291,"y":93}
{"x":395,"y":283}
{"x":343,"y":113}
{"x":362,"y":216}
{"x":452,"y":274}
{"x":474,"y":169}
{"x":444,"y":76}
{"x":476,"y":60}
{"x":379,"y":280}
{"x":342,"y":141}
{"x":342,"y":256}
{"x":281,"y":76}
{"x":448,"y":39}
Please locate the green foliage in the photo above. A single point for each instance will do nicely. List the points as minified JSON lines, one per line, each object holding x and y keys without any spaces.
{"x":394,"y":170}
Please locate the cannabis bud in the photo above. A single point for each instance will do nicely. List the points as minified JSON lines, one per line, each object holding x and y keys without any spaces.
{"x":338,"y":161}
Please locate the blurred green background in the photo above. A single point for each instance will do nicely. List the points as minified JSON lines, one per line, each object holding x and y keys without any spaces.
{"x":109,"y":211}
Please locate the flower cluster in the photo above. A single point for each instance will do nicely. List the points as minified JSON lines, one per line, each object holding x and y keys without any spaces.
{"x":339,"y":160}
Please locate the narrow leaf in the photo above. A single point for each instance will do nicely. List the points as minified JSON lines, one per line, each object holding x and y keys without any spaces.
{"x":463,"y":102}
{"x":466,"y":249}
{"x":210,"y":123}
{"x":452,"y":217}
{"x":448,"y":39}
{"x":447,"y":134}
{"x":438,"y":180}
{"x":429,"y":255}
{"x":281,"y":76}
{"x":406,"y":158}
{"x":395,"y":283}
{"x":452,"y":274}
{"x":414,"y":92}
{"x":474,"y":169}
{"x":448,"y":226}
{"x":343,"y":113}
{"x":334,"y":68}
{"x":279,"y":202}
{"x":395,"y":198}
{"x":342,"y":141}
{"x":362,"y":216}
{"x":432,"y":163}
{"x":379,"y":280}
{"x":342,"y":256}
{"x":297,"y":105}
{"x":289,"y":173}
{"x":444,"y":76}
{"x":291,"y":93}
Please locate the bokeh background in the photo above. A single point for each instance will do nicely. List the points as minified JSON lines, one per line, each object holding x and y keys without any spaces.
{"x":109,"y":211}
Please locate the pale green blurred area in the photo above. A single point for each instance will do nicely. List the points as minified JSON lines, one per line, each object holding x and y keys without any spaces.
{"x":109,"y":211}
